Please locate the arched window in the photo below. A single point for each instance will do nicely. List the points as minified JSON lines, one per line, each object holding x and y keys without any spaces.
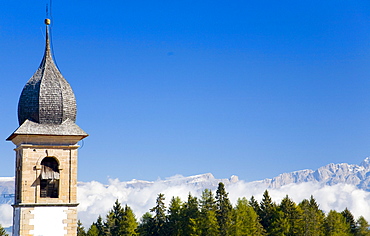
{"x":49,"y":178}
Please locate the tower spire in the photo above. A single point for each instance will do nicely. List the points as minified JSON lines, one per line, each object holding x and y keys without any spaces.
{"x":47,"y":44}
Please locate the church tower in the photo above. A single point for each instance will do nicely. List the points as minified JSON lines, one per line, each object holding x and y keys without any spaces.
{"x":46,"y":154}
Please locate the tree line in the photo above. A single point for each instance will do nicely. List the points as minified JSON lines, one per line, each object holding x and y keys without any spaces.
{"x":213,"y":215}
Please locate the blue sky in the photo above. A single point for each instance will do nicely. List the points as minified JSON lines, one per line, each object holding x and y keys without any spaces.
{"x":247,"y":88}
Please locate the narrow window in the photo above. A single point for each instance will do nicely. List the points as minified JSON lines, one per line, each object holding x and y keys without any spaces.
{"x":49,"y":184}
{"x":18,"y":180}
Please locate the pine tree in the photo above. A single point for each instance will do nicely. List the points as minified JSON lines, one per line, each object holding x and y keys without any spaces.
{"x":336,"y":225}
{"x":146,"y":227}
{"x":268,"y":212}
{"x":208,"y":201}
{"x":93,"y":231}
{"x":253,"y":202}
{"x":312,"y":217}
{"x":129,"y":223}
{"x":208,"y":224}
{"x":190,"y":215}
{"x":350,"y":220}
{"x":224,"y":210}
{"x":289,"y":218}
{"x":100,"y":226}
{"x":174,"y":217}
{"x":245,"y":220}
{"x":80,"y":229}
{"x":362,"y":227}
{"x":159,"y":215}
{"x":280,"y":226}
{"x":113,"y":224}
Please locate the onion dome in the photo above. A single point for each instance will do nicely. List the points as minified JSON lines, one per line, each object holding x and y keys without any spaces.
{"x":47,"y":98}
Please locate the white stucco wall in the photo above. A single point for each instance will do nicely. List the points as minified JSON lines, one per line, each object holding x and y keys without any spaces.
{"x":48,"y":221}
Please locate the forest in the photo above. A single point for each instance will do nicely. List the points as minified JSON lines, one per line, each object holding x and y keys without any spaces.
{"x":213,"y":215}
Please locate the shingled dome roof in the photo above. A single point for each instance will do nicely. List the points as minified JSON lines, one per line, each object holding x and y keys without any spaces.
{"x":47,"y":98}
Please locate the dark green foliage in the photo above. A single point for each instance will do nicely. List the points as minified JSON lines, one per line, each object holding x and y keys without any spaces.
{"x":253,"y":203}
{"x":362,"y":227}
{"x":113,"y":223}
{"x":245,"y":220}
{"x":99,"y":226}
{"x":208,"y":225}
{"x":268,"y":212}
{"x":312,"y":217}
{"x":146,"y":227}
{"x":174,"y":217}
{"x":336,"y":225}
{"x":223,"y":210}
{"x":350,"y":220}
{"x":159,"y":218}
{"x":289,"y":220}
{"x":190,"y":214}
{"x":80,"y":229}
{"x":208,"y":201}
{"x":93,"y":231}
{"x":119,"y":222}
{"x":129,"y":223}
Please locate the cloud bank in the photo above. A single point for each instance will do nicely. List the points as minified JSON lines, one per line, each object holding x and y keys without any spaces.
{"x":97,"y":199}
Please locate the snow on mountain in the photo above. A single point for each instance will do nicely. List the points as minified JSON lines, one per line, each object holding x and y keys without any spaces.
{"x":331,"y":174}
{"x":201,"y":181}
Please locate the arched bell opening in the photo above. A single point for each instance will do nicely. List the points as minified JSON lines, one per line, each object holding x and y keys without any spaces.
{"x":49,"y":178}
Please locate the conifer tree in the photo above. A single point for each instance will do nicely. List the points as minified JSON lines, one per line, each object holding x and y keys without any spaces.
{"x":350,"y":220}
{"x":80,"y":229}
{"x":208,"y":201}
{"x":223,"y":210}
{"x":245,"y":220}
{"x":147,"y":227}
{"x":208,"y":224}
{"x":93,"y":231}
{"x":312,"y":217}
{"x":113,"y":225}
{"x":280,"y":226}
{"x":336,"y":225}
{"x":253,"y":202}
{"x":174,"y":217}
{"x":190,"y":215}
{"x":129,"y":223}
{"x":159,"y":218}
{"x":100,"y":226}
{"x":289,"y":218}
{"x":268,"y":212}
{"x":362,"y":227}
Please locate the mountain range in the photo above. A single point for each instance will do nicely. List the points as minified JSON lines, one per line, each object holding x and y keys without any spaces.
{"x":331,"y":174}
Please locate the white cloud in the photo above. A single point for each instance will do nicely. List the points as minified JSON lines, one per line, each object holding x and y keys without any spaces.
{"x":6,"y":215}
{"x":96,"y":199}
